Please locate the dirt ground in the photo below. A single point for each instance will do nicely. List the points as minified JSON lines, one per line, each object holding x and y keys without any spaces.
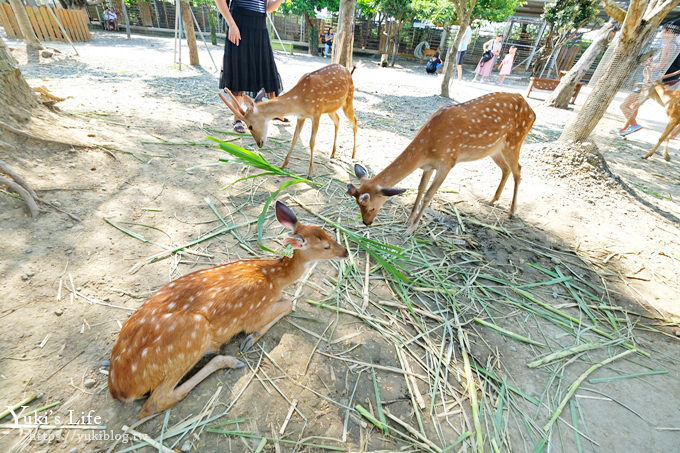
{"x":581,"y":237}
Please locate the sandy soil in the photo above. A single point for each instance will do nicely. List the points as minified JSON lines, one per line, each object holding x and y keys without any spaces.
{"x":67,"y":285}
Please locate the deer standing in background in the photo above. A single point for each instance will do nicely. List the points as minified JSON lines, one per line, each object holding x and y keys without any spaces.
{"x":200,"y":311}
{"x":670,"y":100}
{"x":493,"y":125}
{"x":323,"y":91}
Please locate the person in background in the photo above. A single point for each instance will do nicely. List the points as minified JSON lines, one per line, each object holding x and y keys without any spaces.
{"x":113,"y":19}
{"x":248,"y":63}
{"x":669,"y":58}
{"x":434,"y":65}
{"x":484,"y":68}
{"x":328,"y":43}
{"x":506,"y":64}
{"x":462,"y":48}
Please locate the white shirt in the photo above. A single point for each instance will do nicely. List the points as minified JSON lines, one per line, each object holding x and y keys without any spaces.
{"x":467,"y":36}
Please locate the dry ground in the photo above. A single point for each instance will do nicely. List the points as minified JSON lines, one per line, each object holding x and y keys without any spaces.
{"x":605,"y":261}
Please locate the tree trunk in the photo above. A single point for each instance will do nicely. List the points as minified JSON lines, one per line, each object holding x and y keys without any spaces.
{"x":32,"y":43}
{"x":395,"y":44}
{"x":344,"y":38}
{"x":188,"y":21}
{"x":449,"y":62}
{"x":384,"y":52}
{"x":544,"y":54}
{"x":624,"y":61}
{"x":16,"y":97}
{"x":312,"y":36}
{"x":565,"y":90}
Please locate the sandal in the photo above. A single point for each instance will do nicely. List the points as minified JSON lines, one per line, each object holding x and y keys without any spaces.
{"x":239,"y":127}
{"x":283,"y":119}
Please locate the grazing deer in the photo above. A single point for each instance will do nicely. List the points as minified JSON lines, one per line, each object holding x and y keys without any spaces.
{"x":493,"y":125}
{"x":670,"y":101}
{"x":323,"y":91}
{"x":200,"y":311}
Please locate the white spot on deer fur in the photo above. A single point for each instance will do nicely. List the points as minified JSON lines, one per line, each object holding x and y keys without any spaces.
{"x":271,"y":286}
{"x":180,"y":356}
{"x":145,"y":351}
{"x":198,"y":317}
{"x":172,"y":285}
{"x":185,"y":306}
{"x":171,"y":305}
{"x":172,"y":326}
{"x":171,"y":347}
{"x":198,"y":294}
{"x":133,"y":367}
{"x":158,"y":326}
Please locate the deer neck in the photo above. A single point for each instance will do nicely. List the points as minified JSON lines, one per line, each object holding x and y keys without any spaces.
{"x":288,"y":270}
{"x":661,"y":92}
{"x":406,"y":163}
{"x":279,"y":106}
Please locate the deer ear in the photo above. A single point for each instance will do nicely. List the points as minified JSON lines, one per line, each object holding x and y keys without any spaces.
{"x":259,"y":96}
{"x":351,"y":190}
{"x":249,"y":102}
{"x":363,"y":199}
{"x":285,"y":216}
{"x":390,"y":191}
{"x":296,"y":241}
{"x":238,"y":113}
{"x":361,"y":172}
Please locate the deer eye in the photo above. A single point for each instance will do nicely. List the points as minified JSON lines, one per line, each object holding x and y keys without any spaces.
{"x":250,"y":127}
{"x":327,"y":247}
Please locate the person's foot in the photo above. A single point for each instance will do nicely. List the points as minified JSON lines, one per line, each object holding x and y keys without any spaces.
{"x":629,"y":130}
{"x":239,"y":127}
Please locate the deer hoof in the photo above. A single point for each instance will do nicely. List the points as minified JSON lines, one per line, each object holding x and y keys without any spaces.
{"x":667,"y":158}
{"x":247,"y":343}
{"x":239,"y":364}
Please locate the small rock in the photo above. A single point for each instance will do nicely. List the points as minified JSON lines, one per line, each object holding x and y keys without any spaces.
{"x":69,"y":251}
{"x":77,"y":228}
{"x":28,"y":252}
{"x":58,"y":312}
{"x":73,"y":450}
{"x":47,"y":54}
{"x":26,"y":277}
{"x":69,"y":225}
{"x":677,"y":332}
{"x":89,"y":383}
{"x":104,"y":363}
{"x":186,"y":446}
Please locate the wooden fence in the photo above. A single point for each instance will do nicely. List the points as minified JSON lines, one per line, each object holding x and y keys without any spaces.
{"x":44,"y":24}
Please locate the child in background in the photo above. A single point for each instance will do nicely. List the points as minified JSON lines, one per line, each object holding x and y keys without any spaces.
{"x":506,"y":64}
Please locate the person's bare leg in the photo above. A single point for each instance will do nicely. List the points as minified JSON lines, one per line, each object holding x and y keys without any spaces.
{"x":460,"y":72}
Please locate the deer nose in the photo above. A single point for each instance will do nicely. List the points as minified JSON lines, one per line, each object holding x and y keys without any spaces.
{"x":346,"y":254}
{"x":260,"y":143}
{"x":367,"y":223}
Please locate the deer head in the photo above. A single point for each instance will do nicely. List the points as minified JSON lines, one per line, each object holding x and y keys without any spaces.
{"x":310,"y":243}
{"x":369,"y":196}
{"x":257,"y":124}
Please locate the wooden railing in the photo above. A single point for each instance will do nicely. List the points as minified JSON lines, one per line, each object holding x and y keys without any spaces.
{"x":45,"y":22}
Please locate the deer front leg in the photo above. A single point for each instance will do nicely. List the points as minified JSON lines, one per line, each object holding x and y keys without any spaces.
{"x":312,"y":140}
{"x":336,"y":121}
{"x":166,"y":395}
{"x":666,"y":134}
{"x":271,"y":316}
{"x":438,"y":180}
{"x":348,"y":109}
{"x":296,"y":134}
{"x":424,"y":180}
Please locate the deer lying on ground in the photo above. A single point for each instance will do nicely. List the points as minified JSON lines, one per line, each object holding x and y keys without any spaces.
{"x":493,"y":125}
{"x":200,"y":311}
{"x":670,"y":101}
{"x":323,"y":91}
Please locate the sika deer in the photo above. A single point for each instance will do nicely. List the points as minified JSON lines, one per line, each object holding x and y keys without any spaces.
{"x":670,"y":100}
{"x":493,"y":125}
{"x":200,"y":311}
{"x":323,"y":91}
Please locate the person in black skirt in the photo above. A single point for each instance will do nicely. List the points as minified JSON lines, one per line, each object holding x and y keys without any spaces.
{"x":249,"y":64}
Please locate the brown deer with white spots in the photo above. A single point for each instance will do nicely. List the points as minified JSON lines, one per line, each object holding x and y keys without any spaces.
{"x":195,"y":314}
{"x":670,"y":100}
{"x":493,"y":125}
{"x":325,"y":90}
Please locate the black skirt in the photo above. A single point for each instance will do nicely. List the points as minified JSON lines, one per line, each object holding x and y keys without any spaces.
{"x":250,"y":66}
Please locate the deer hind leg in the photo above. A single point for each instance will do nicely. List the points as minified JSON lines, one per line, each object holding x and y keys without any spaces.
{"x":348,"y":109}
{"x":336,"y":122}
{"x":675,"y":132}
{"x":312,"y":140}
{"x":666,"y":134}
{"x":436,"y":183}
{"x":424,"y":180}
{"x":266,"y":320}
{"x":296,"y":135}
{"x":166,"y":395}
{"x":505,"y":169}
